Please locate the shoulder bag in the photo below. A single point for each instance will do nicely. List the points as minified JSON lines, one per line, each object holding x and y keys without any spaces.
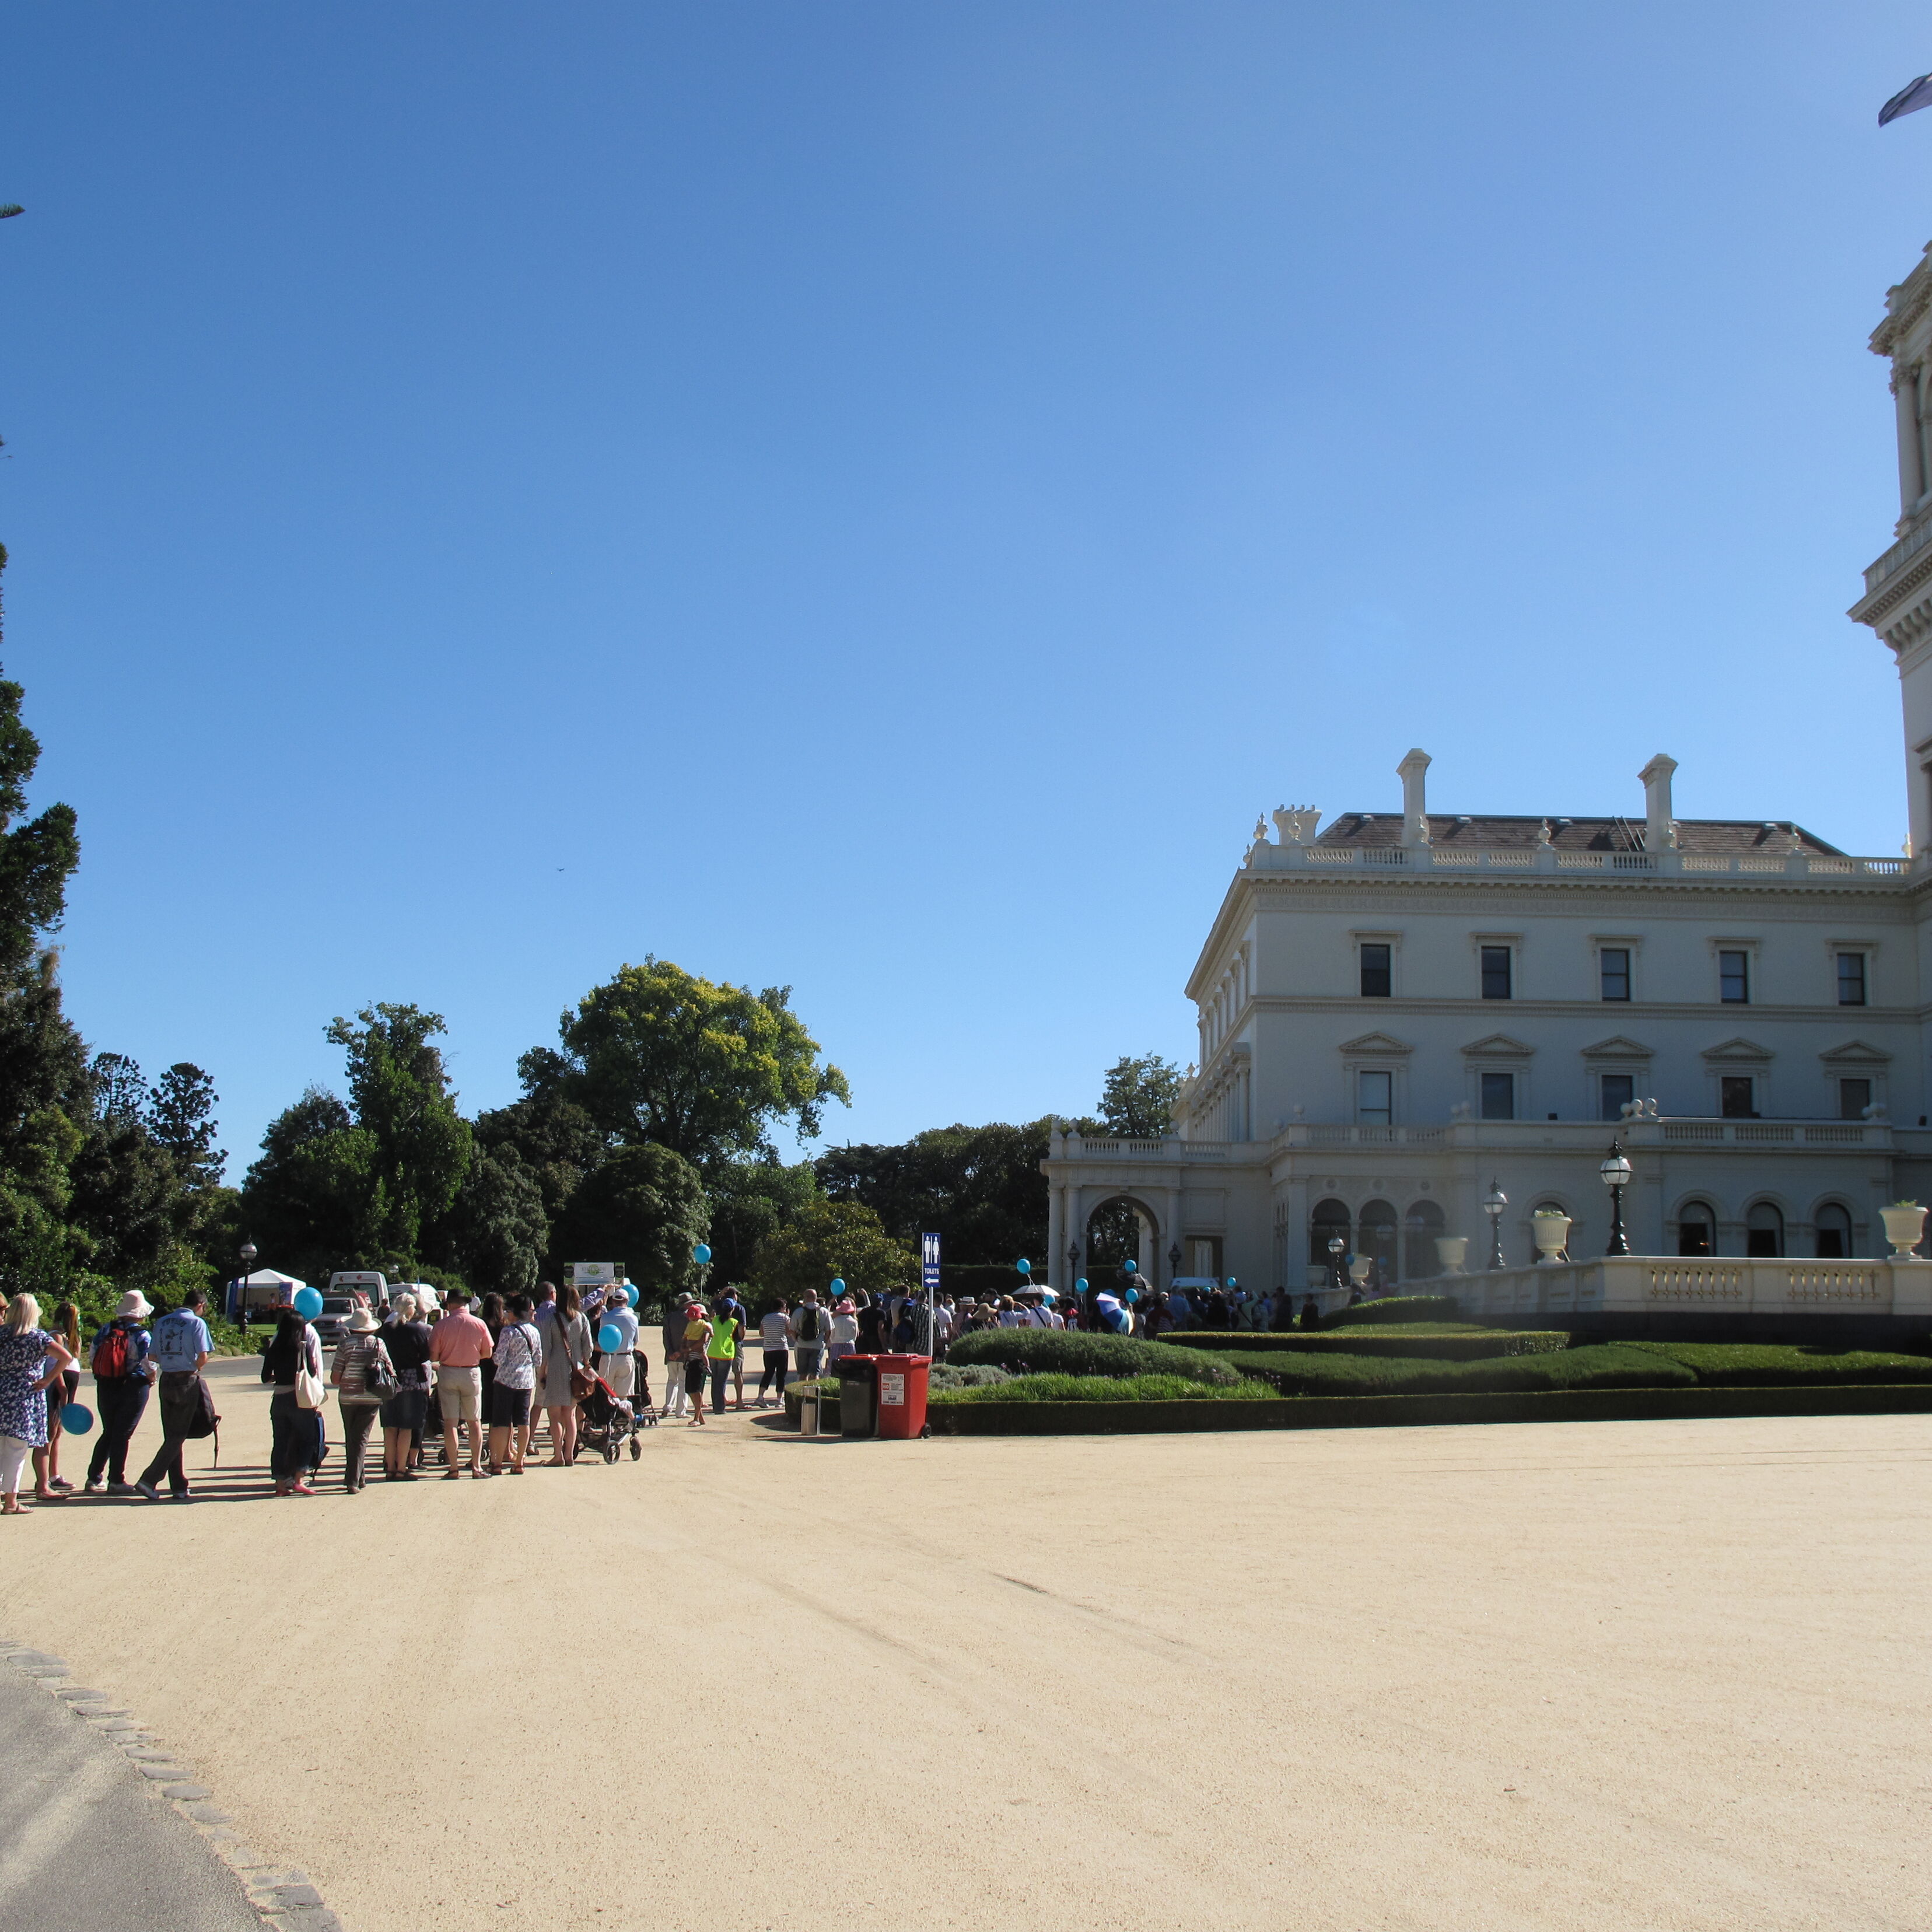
{"x":379,"y":1377}
{"x":582,"y":1381}
{"x":311,"y":1391}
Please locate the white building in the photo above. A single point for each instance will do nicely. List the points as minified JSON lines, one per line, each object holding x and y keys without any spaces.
{"x":1396,"y":1009}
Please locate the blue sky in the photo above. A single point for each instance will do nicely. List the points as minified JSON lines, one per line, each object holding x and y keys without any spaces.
{"x":875,"y":498}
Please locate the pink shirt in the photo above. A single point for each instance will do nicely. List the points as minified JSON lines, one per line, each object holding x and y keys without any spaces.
{"x":459,"y":1342}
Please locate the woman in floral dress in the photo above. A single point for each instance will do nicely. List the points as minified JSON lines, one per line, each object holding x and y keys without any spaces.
{"x":31,"y":1362}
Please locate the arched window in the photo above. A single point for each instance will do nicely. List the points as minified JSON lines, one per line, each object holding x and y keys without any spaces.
{"x":1330,"y":1218}
{"x":1834,"y":1224}
{"x":1764,"y":1230}
{"x":1696,"y":1229}
{"x":1420,"y":1226}
{"x":1376,"y":1239}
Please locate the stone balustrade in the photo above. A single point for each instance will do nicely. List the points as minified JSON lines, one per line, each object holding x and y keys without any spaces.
{"x":1814,"y":868}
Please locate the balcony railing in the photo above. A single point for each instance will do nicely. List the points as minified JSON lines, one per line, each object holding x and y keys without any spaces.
{"x":1660,"y":1284}
{"x":1813,"y":869}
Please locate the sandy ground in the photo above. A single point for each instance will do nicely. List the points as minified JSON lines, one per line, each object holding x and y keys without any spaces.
{"x":1610,"y":1675}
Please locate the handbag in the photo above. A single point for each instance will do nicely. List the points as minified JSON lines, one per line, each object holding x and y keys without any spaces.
{"x":379,"y":1377}
{"x":582,"y":1381}
{"x":311,"y":1391}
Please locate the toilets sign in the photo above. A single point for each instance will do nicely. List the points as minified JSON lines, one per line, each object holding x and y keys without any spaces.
{"x":929,"y":1264}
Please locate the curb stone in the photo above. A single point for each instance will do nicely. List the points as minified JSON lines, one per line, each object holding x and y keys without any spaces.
{"x":283,"y":1896}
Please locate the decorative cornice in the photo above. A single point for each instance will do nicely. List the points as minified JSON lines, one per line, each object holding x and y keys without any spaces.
{"x":1497,"y":1046}
{"x":1856,"y":1053}
{"x":1737,"y":1051}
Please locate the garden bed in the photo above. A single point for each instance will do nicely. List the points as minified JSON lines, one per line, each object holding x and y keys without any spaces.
{"x":1426,"y":1341}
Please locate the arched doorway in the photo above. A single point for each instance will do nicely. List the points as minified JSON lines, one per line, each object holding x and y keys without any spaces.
{"x":1420,"y":1226}
{"x":1377,"y":1238}
{"x":1120,"y":1228}
{"x":1329,"y":1221}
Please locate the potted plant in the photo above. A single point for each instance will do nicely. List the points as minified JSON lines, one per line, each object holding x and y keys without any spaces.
{"x":1904,"y":1225}
{"x":1451,"y":1250}
{"x":1551,"y":1231}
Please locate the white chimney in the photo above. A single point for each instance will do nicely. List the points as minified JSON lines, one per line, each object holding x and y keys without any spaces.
{"x":1656,"y":777}
{"x":1414,"y":809}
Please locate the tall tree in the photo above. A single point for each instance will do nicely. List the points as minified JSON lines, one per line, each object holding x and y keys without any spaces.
{"x":751,"y":1199}
{"x":311,"y":1203}
{"x":554,"y":1138}
{"x":1137,"y":1101}
{"x":495,"y":1230}
{"x":180,"y":1118}
{"x":645,"y":1206}
{"x":659,"y":1054}
{"x":980,"y":1188}
{"x":841,"y":1238}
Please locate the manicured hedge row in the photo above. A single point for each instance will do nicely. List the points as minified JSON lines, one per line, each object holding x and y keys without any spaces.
{"x":1599,"y":1405}
{"x":1475,"y":1344}
{"x":1602,"y":1365}
{"x":1395,"y":1308}
{"x":1069,"y":1352}
{"x":1765,"y":1365}
{"x":1063,"y":1389}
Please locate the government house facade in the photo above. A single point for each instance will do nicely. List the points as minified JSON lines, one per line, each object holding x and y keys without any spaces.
{"x":1398,"y":1010}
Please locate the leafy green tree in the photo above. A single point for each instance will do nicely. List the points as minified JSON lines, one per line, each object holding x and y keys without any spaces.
{"x":554,"y":1138}
{"x":842,"y":1238}
{"x":180,"y":1118}
{"x":495,"y":1230}
{"x":38,"y":857}
{"x":980,"y":1188}
{"x":120,"y":1093}
{"x":751,"y":1199}
{"x":645,"y":1206}
{"x":1137,"y":1101}
{"x":659,"y":1055}
{"x":312,"y":1203}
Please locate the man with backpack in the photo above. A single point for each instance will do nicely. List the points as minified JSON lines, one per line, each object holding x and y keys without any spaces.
{"x":180,"y":1350}
{"x":809,"y":1328}
{"x":119,"y":1361}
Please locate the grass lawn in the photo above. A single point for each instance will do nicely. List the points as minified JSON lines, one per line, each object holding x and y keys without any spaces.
{"x":1765,"y":1365}
{"x":1105,"y":1388}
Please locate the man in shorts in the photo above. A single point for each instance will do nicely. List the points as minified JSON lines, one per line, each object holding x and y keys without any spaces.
{"x":459,"y":1345}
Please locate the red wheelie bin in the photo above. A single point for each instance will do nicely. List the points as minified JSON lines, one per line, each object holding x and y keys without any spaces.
{"x":901,"y":1384}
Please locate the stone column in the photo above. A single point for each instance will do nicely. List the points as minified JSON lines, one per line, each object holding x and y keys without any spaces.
{"x":1056,"y":1237}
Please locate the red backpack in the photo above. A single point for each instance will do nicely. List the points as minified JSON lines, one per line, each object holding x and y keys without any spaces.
{"x":110,"y":1353}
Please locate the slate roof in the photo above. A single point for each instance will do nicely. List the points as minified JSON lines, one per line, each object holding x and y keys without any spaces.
{"x":1575,"y":835}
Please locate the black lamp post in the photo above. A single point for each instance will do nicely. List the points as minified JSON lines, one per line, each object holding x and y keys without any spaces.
{"x":248,"y":1253}
{"x":1337,"y":1247}
{"x":1615,"y":1173}
{"x":1494,"y":1202}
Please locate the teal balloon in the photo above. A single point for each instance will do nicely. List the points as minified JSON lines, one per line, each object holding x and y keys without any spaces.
{"x":1080,"y":1286}
{"x":837,"y":1284}
{"x":1232,"y":1282}
{"x":1130,"y":1267}
{"x":77,"y":1418}
{"x":1132,"y":1295}
{"x":630,"y":1295}
{"x":1024,"y":1266}
{"x":308,"y":1303}
{"x":610,"y":1338}
{"x":700,"y":1254}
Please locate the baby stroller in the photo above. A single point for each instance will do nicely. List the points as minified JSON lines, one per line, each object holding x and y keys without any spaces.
{"x":605,"y":1422}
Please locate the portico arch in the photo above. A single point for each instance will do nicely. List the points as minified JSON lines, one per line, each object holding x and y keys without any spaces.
{"x":1120,"y":1227}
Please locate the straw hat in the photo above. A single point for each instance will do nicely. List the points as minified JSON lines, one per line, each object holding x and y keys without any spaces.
{"x":362,"y":1322}
{"x":134,"y":1303}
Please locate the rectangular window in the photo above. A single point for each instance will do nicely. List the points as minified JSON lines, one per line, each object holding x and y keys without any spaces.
{"x":1374,"y":1098}
{"x":1498,"y":1096}
{"x":1734,"y":979}
{"x":1375,"y":978}
{"x":1496,"y":980}
{"x":1854,"y":1097}
{"x":1613,"y":963}
{"x":1851,"y":979}
{"x":1734,"y":1097}
{"x":1619,"y":1090}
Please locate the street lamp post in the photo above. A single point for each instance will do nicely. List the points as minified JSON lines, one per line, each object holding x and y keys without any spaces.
{"x":1615,"y":1173}
{"x":1494,"y":1202}
{"x":249,"y":1252}
{"x":1173,"y":1262}
{"x":1337,"y":1247}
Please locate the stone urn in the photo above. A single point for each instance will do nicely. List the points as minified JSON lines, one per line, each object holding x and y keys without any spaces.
{"x":1451,"y":1252}
{"x":1551,"y":1233}
{"x":1903,"y":1226}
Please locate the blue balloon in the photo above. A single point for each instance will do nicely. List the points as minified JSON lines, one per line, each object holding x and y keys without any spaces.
{"x":77,"y":1418}
{"x":308,"y":1303}
{"x":1024,"y":1266}
{"x":610,"y":1338}
{"x":1231,"y":1281}
{"x":1132,"y":1295}
{"x":630,"y":1295}
{"x":1130,"y":1267}
{"x":1080,"y":1286}
{"x":837,"y":1284}
{"x":700,"y":1254}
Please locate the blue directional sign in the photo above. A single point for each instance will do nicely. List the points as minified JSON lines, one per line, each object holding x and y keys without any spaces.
{"x":929,"y":1263}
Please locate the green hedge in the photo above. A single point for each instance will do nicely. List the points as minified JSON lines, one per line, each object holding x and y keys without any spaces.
{"x":1068,"y":1351}
{"x":1105,"y":1388}
{"x":1395,"y":1308}
{"x":1602,"y":1365}
{"x":1765,"y":1365}
{"x":1423,"y":1342}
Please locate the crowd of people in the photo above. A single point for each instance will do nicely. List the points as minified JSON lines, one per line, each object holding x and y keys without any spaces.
{"x":469,"y":1389}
